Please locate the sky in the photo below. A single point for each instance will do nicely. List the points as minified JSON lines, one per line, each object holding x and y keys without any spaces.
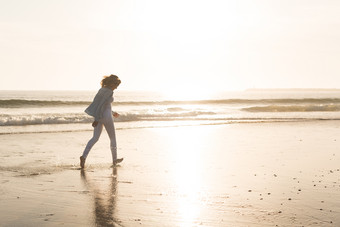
{"x":169,"y":45}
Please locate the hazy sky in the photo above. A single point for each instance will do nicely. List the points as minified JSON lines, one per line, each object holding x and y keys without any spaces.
{"x":170,"y":45}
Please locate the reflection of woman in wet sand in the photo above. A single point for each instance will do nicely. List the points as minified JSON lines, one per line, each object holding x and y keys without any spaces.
{"x":104,"y":200}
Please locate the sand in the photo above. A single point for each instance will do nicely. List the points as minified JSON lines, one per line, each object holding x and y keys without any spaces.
{"x":268,"y":174}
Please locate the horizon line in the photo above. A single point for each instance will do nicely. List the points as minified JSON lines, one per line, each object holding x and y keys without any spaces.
{"x":141,"y":90}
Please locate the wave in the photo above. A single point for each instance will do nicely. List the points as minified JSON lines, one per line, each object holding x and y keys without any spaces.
{"x":170,"y":114}
{"x":74,"y":118}
{"x":39,"y":119}
{"x":18,"y":103}
{"x":49,"y":120}
{"x":201,"y":122}
{"x":294,"y":108}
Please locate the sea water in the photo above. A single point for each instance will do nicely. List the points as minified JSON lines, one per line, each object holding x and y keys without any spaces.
{"x":58,"y":111}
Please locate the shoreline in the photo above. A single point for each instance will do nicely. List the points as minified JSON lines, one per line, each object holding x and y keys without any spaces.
{"x":84,"y":127}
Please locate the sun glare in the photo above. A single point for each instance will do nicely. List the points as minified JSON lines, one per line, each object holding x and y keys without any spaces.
{"x":187,"y":94}
{"x":188,"y":173}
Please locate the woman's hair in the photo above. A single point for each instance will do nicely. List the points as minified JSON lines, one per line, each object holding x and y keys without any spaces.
{"x":110,"y":81}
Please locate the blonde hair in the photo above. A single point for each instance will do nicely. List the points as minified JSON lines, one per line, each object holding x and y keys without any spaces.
{"x":110,"y":81}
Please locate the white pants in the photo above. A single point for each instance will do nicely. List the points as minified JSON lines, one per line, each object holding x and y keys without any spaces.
{"x":107,"y":122}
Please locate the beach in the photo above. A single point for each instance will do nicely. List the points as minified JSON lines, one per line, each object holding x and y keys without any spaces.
{"x":242,"y":174}
{"x":211,"y":113}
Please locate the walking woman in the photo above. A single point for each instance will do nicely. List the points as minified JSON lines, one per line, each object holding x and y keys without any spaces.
{"x":103,"y":115}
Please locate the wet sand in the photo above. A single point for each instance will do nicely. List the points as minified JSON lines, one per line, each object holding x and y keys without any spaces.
{"x":270,"y":174}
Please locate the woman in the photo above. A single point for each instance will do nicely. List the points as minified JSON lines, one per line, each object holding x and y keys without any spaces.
{"x":101,"y":110}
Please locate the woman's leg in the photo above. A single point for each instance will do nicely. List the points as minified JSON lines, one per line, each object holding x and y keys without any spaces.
{"x":110,"y":129}
{"x":96,"y":134}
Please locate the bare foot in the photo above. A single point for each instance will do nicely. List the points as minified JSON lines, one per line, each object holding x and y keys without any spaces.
{"x":119,"y":160}
{"x":82,"y":162}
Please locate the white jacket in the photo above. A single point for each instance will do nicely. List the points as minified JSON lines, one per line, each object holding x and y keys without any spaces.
{"x":96,"y":108}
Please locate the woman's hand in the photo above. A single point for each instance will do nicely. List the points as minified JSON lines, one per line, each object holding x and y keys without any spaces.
{"x":115,"y":114}
{"x":94,"y":124}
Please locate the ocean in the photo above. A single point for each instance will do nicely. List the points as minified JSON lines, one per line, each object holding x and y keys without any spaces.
{"x":59,"y":111}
